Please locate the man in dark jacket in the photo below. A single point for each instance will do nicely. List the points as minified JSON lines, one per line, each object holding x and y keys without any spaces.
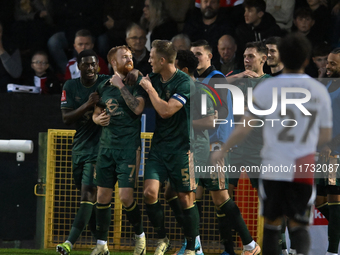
{"x":210,"y":24}
{"x":136,"y":40}
{"x":258,"y":26}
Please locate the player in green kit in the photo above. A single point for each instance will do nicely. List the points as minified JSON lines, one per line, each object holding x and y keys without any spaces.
{"x":187,"y":62}
{"x":78,"y":99}
{"x":119,"y":112}
{"x":169,"y":91}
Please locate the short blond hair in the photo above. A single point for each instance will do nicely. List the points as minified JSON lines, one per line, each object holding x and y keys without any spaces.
{"x":165,"y":49}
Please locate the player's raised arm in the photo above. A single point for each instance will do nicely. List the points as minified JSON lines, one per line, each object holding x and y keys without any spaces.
{"x":136,"y":104}
{"x":164,"y":109}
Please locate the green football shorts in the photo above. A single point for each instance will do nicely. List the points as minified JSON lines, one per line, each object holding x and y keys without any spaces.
{"x":175,"y":167}
{"x":83,"y":169}
{"x":117,"y":165}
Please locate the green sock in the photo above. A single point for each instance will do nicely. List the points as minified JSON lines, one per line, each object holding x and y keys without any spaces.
{"x":283,"y":235}
{"x":199,"y":207}
{"x":324,"y":209}
{"x":191,"y":220}
{"x":156,"y":217}
{"x":199,"y":219}
{"x":92,"y":221}
{"x":230,"y":209}
{"x":224,"y":226}
{"x":80,"y":221}
{"x":177,"y":209}
{"x":134,"y":216}
{"x":103,"y":221}
{"x":334,"y":227}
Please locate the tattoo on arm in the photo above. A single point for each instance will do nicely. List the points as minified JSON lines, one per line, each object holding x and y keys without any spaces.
{"x":130,"y":100}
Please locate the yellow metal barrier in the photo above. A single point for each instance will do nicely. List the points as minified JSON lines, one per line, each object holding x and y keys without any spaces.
{"x":62,"y":201}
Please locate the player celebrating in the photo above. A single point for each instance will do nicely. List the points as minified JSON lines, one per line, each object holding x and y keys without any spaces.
{"x":169,"y":92}
{"x":328,"y":189}
{"x":77,"y":103}
{"x":289,"y":193}
{"x":119,"y":113}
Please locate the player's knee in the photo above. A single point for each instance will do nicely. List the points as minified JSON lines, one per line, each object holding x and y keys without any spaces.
{"x":88,"y":193}
{"x":185,"y":199}
{"x":126,"y":199}
{"x":169,"y":193}
{"x":104,"y":197}
{"x":150,"y":195}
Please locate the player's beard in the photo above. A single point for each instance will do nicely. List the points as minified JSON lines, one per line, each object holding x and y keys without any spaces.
{"x":335,"y":75}
{"x":125,"y":69}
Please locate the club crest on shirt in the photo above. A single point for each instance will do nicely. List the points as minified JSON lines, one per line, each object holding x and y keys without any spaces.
{"x":167,"y":95}
{"x":112,"y":106}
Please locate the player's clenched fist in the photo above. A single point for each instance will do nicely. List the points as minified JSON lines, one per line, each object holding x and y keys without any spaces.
{"x":146,"y":83}
{"x":93,"y":98}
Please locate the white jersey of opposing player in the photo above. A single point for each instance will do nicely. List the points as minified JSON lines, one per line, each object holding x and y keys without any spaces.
{"x":284,"y":145}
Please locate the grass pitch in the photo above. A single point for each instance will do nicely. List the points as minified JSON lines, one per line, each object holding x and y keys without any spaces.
{"x":48,"y":252}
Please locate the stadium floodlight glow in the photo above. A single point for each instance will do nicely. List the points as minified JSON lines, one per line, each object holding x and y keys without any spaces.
{"x":20,"y":147}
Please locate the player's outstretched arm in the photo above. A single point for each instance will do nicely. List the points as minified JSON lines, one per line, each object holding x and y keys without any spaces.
{"x":236,"y":137}
{"x":163,"y":108}
{"x":204,"y":123}
{"x":71,"y":116}
{"x":100,"y":117}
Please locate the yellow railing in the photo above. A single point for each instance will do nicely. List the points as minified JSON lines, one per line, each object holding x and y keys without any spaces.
{"x":62,"y":201}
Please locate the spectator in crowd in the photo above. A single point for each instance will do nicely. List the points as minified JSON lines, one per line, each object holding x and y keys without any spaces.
{"x":118,"y":15}
{"x":304,"y":21}
{"x":233,"y":8}
{"x":83,"y":40}
{"x":42,"y":76}
{"x":282,"y":11}
{"x":7,"y":13}
{"x":156,"y":22}
{"x":335,"y":38}
{"x":259,"y":24}
{"x":210,"y":24}
{"x":317,"y":67}
{"x":181,"y":42}
{"x":69,"y":17}
{"x":10,"y":61}
{"x":229,"y":61}
{"x":273,"y":60}
{"x":136,"y":40}
{"x":322,"y":19}
{"x":31,"y":27}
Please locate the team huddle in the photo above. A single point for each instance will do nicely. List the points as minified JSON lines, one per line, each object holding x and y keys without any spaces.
{"x":107,"y":145}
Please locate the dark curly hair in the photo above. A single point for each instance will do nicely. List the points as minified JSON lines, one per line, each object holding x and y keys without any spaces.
{"x":186,"y":58}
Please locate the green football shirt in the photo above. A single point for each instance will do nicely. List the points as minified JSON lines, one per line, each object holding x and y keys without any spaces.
{"x":255,"y":139}
{"x":87,"y":134}
{"x":172,"y":135}
{"x":124,"y":129}
{"x":201,"y":136}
